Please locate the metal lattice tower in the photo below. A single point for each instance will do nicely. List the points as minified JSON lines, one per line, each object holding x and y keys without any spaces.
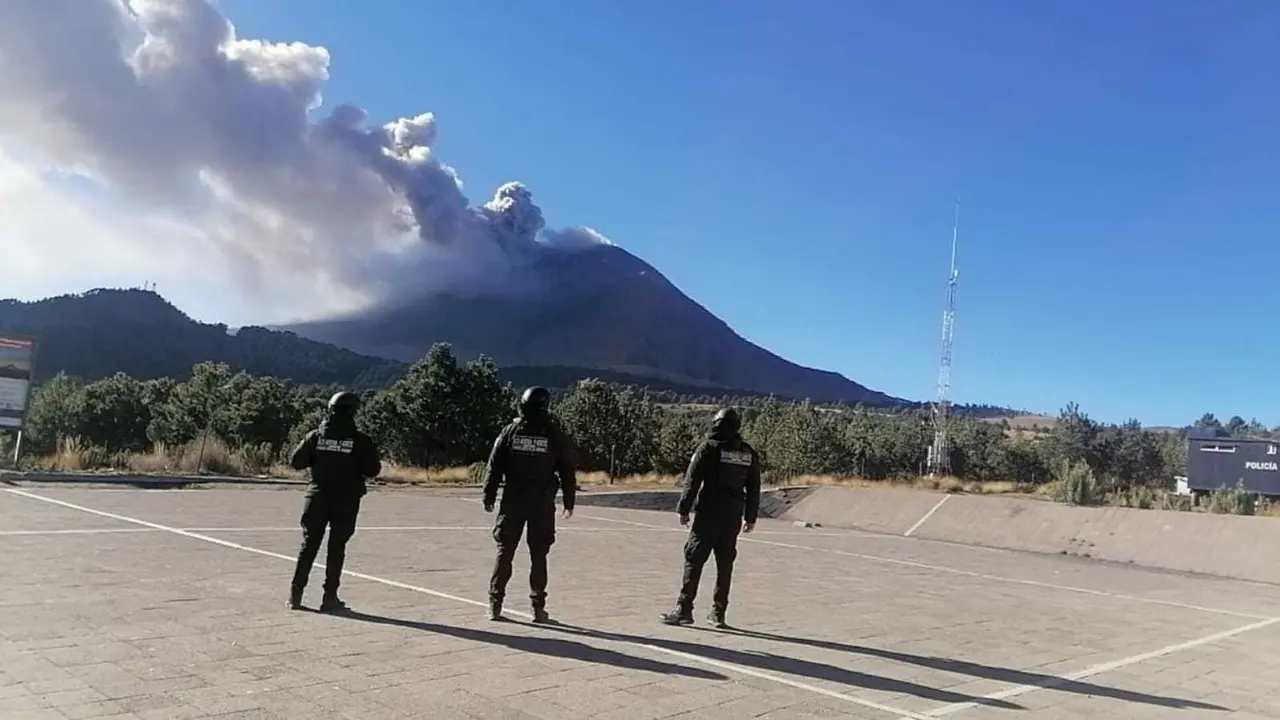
{"x":939,"y":460}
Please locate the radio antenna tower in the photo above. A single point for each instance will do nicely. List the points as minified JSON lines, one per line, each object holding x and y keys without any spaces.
{"x":939,"y":460}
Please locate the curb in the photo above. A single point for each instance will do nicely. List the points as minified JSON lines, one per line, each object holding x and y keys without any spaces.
{"x":173,"y":480}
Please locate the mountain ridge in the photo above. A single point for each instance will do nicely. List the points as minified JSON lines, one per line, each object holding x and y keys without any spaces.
{"x":94,"y":334}
{"x":139,"y":332}
{"x":600,"y":308}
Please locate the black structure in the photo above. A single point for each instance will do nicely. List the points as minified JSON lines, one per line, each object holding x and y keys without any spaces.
{"x":1216,"y":463}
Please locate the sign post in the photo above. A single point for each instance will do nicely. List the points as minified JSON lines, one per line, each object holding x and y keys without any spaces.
{"x":17,"y":374}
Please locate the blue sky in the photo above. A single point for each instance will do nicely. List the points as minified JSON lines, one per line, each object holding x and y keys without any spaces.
{"x":793,"y":166}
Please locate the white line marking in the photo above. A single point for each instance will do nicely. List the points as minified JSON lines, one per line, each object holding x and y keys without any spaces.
{"x":927,"y":515}
{"x":107,"y":531}
{"x":843,"y":532}
{"x":739,"y":669}
{"x":388,"y":528}
{"x":362,"y":528}
{"x":84,"y":531}
{"x":983,"y":576}
{"x":683,"y":530}
{"x":1050,"y":683}
{"x":359,"y":528}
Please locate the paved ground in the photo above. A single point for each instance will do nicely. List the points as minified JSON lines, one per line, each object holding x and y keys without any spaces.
{"x":170,"y":604}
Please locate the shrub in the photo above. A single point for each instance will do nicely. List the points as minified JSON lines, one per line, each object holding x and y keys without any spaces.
{"x":1141,"y":497}
{"x":1074,"y":483}
{"x":1233,"y":501}
{"x":257,"y":459}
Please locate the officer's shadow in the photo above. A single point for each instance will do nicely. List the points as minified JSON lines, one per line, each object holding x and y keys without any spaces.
{"x":792,"y":666}
{"x":989,"y":672}
{"x":554,"y":647}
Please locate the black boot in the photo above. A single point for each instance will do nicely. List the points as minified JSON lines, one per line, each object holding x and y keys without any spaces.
{"x":295,"y":598}
{"x":540,"y":616}
{"x":679,"y":616}
{"x":331,"y":604}
{"x":716,"y":618}
{"x":495,"y":610}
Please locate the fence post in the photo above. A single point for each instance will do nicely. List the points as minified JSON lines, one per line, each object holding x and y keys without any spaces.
{"x":17,"y":451}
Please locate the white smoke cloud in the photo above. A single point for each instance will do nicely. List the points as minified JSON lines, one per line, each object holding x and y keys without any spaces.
{"x":209,"y":136}
{"x":575,"y":238}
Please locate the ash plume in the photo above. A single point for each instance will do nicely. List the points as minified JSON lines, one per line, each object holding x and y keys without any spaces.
{"x":161,"y":102}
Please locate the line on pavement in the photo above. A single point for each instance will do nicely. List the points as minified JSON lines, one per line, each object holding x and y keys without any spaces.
{"x":927,"y":515}
{"x":971,"y":573}
{"x":292,"y":528}
{"x":76,"y":531}
{"x":729,"y":667}
{"x":359,"y":528}
{"x":1051,"y":683}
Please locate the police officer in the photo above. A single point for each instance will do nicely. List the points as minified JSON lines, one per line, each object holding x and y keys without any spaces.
{"x":526,"y":458}
{"x":722,"y":488}
{"x":340,"y":458}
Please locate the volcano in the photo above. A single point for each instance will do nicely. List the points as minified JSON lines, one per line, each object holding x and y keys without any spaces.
{"x":600,"y":308}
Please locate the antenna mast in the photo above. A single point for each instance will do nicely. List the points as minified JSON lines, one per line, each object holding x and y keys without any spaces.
{"x":939,"y":460}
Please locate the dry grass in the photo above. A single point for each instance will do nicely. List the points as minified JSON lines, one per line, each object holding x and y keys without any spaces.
{"x":72,"y":455}
{"x":474,"y":474}
{"x":462,"y":475}
{"x":1030,"y":422}
{"x":932,"y":484}
{"x":213,"y":458}
{"x":405,"y":475}
{"x":1027,"y":427}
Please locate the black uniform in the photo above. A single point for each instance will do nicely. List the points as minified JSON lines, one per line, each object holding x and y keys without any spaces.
{"x":722,"y":488}
{"x":340,"y":458}
{"x":527,"y":457}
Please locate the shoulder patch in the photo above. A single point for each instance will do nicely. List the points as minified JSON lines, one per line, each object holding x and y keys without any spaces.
{"x":735,"y":457}
{"x":533,"y":444}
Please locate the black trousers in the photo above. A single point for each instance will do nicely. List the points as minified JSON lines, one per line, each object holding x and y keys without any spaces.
{"x":339,"y":515}
{"x":710,"y":535}
{"x":539,"y":537}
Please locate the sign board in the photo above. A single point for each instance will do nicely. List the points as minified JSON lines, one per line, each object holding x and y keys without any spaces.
{"x":1253,"y":465}
{"x":17,"y":371}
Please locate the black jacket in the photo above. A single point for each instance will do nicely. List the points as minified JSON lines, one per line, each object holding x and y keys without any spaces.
{"x":526,"y":459}
{"x":723,"y":478}
{"x":340,"y":458}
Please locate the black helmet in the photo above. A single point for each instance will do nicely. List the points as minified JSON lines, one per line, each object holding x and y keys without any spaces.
{"x":535,"y":401}
{"x":726,"y":419}
{"x":344,"y":403}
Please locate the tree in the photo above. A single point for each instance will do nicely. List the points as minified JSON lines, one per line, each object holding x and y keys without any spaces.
{"x":1209,"y":425}
{"x":445,"y":413}
{"x":204,"y":402}
{"x":1075,"y":436}
{"x":678,"y":433}
{"x":57,"y":409}
{"x":614,"y":431}
{"x":114,"y":414}
{"x":264,"y":411}
{"x":440,"y":413}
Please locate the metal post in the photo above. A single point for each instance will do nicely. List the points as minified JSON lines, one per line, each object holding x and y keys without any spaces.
{"x":17,"y":450}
